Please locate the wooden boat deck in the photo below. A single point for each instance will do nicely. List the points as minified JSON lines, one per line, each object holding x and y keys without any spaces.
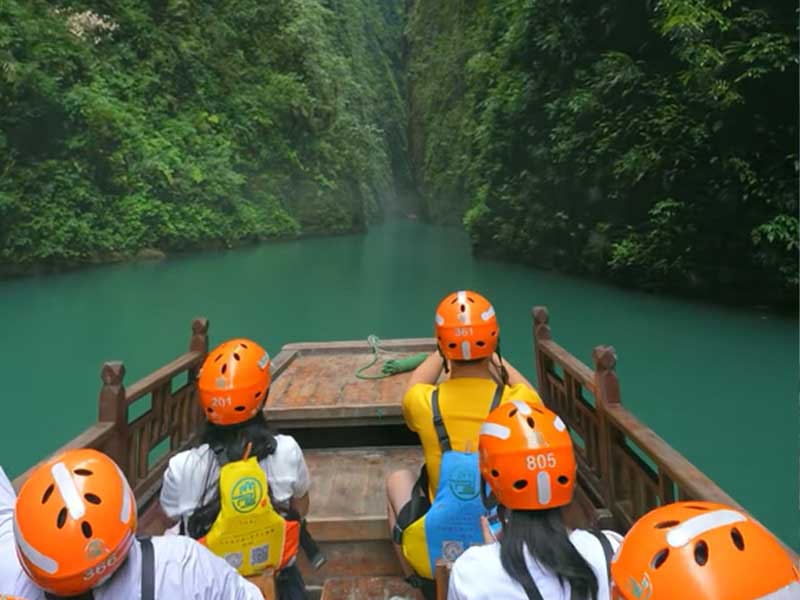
{"x":315,"y":385}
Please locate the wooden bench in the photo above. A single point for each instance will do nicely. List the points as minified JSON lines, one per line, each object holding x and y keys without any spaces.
{"x":366,"y":588}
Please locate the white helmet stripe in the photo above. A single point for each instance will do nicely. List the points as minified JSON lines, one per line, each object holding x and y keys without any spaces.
{"x":439,"y":319}
{"x":690,"y":529}
{"x":488,"y":313}
{"x":39,"y":560}
{"x":559,"y":424}
{"x":523,"y":408}
{"x":68,"y":490}
{"x":462,"y":297}
{"x":125,"y":511}
{"x":501,"y":432}
{"x":543,"y":487}
{"x":789,"y":592}
{"x":465,"y":351}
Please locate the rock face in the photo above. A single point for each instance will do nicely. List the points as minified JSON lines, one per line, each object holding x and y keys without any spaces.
{"x":150,"y":254}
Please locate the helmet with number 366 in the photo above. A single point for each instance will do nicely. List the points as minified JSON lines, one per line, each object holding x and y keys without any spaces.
{"x":526,"y":458}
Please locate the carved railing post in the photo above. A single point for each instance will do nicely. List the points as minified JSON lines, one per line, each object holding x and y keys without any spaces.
{"x":541,"y":332}
{"x":606,"y":394}
{"x":113,"y":408}
{"x":199,"y":341}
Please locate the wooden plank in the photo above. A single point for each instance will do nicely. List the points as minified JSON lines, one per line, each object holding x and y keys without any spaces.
{"x":569,"y":363}
{"x":376,"y":558}
{"x":366,"y":588}
{"x":348,"y":494}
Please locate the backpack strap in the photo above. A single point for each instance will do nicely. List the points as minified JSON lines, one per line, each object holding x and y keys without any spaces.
{"x":148,"y":569}
{"x":608,"y":551}
{"x":438,"y":422}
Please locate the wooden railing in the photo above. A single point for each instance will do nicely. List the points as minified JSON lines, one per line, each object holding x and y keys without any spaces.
{"x":623,"y":466}
{"x":143,"y":426}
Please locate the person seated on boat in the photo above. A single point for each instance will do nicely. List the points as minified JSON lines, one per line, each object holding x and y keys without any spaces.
{"x":449,"y":416}
{"x":702,"y":551}
{"x":232,"y":387}
{"x":528,"y":473}
{"x":71,"y":533}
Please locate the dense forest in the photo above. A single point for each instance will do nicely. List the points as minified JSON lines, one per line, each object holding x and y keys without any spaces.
{"x":128,"y":124}
{"x":652,"y":142}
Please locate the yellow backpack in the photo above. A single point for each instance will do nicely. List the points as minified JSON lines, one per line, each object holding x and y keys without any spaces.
{"x":248,"y":532}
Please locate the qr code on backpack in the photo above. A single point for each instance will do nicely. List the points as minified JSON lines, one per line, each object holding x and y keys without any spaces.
{"x":452,"y":550}
{"x":259,"y":554}
{"x":234,"y":559}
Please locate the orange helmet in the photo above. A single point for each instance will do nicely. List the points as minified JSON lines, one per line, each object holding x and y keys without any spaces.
{"x":74,"y":522}
{"x":526,"y":457}
{"x":233,"y":381}
{"x":466,"y":326}
{"x":701,"y":550}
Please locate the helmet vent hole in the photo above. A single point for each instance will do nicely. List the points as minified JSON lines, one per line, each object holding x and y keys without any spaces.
{"x":236,"y":356}
{"x":47,"y":493}
{"x":258,"y":394}
{"x":82,"y":472}
{"x":701,"y":553}
{"x":495,"y":473}
{"x":480,"y":343}
{"x":513,"y":412}
{"x":520,"y":484}
{"x":470,"y":299}
{"x":224,"y":368}
{"x":218,"y":357}
{"x":243,"y":346}
{"x":695,"y":507}
{"x":210,"y":410}
{"x":451,"y":345}
{"x":538,"y":410}
{"x":667,"y":524}
{"x":463,"y":308}
{"x":531,"y":423}
{"x":92,"y":498}
{"x":62,"y":518}
{"x":86,"y":529}
{"x":239,"y":408}
{"x":494,"y":333}
{"x":563,"y":479}
{"x":660,"y":558}
{"x":738,"y":539}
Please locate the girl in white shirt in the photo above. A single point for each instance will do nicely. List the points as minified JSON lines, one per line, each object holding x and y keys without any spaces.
{"x":71,"y":534}
{"x":232,"y":387}
{"x":526,"y":458}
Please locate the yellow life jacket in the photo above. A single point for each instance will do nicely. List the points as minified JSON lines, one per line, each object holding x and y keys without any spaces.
{"x":248,"y":532}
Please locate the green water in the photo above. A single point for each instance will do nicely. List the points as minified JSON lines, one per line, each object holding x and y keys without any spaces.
{"x":719,"y":384}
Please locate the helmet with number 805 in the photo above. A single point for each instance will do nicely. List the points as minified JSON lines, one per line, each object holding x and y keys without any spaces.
{"x":526,"y":457}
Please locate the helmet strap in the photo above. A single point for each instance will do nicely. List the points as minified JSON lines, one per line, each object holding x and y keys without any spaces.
{"x":445,"y":364}
{"x":503,"y":370}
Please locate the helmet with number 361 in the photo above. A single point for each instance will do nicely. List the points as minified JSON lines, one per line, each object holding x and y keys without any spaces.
{"x":526,"y":458}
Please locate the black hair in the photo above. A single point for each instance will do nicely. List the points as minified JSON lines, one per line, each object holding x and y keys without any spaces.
{"x":544,"y":535}
{"x":503,"y":370}
{"x":228,"y":443}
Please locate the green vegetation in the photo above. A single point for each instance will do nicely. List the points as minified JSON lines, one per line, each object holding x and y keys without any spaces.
{"x":128,"y":124}
{"x":654,"y":142}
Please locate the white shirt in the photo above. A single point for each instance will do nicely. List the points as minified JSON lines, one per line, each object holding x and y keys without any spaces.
{"x":193,"y":474}
{"x":183,"y":568}
{"x":478,"y":574}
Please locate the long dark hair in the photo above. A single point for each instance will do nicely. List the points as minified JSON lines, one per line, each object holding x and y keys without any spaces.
{"x":228,"y":444}
{"x":545,"y":536}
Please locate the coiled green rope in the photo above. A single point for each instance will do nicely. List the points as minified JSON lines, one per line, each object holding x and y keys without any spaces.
{"x":391,"y":366}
